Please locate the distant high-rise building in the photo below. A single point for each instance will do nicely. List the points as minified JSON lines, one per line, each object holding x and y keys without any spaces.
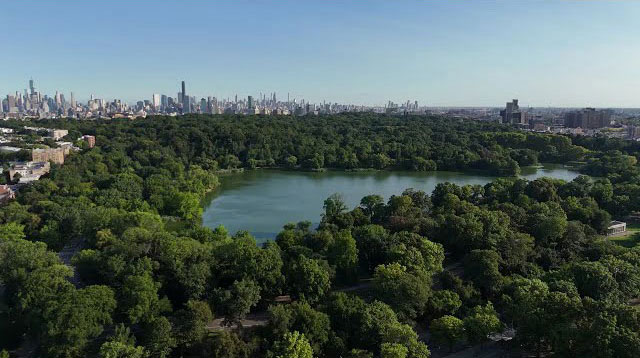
{"x":512,"y":114}
{"x":73,"y":101}
{"x":203,"y":106}
{"x":588,"y":118}
{"x":164,"y":102}
{"x":250,"y":102}
{"x":186,"y":104}
{"x":183,"y":93}
{"x":156,"y":101}
{"x":31,"y":87}
{"x":11,"y":100}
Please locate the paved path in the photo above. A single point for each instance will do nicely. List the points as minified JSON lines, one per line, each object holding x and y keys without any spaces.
{"x":66,"y":254}
{"x":252,"y":320}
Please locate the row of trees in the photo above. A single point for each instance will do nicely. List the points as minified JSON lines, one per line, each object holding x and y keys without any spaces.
{"x":347,"y":141}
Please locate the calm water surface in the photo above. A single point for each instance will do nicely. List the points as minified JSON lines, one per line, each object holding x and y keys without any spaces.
{"x":262,"y":201}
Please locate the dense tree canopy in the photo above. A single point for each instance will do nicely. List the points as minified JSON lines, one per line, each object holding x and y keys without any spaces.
{"x":461,"y":262}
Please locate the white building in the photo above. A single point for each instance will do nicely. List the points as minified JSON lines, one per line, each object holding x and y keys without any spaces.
{"x":616,"y":227}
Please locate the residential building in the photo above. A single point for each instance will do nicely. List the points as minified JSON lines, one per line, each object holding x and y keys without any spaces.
{"x":91,"y":140}
{"x":28,"y":171}
{"x":6,"y":194}
{"x":58,"y":134}
{"x":55,"y":155}
{"x":513,"y":115}
{"x":588,"y":118}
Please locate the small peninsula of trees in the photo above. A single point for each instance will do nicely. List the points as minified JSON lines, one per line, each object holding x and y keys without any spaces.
{"x":460,"y":263}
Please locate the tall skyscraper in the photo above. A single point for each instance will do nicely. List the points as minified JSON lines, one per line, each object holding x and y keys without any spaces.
{"x":31,"y":87}
{"x":73,"y":101}
{"x":156,"y":101}
{"x":164,"y":102}
{"x":203,"y":106}
{"x":58,"y":100}
{"x":186,"y":104}
{"x":183,"y":93}
{"x":250,"y":102}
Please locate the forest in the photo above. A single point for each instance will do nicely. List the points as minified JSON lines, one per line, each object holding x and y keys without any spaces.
{"x":394,"y":277}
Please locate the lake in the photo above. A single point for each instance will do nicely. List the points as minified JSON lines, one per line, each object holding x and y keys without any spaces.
{"x":262,"y":201}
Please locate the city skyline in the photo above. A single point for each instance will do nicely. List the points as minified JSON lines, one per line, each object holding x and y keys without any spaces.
{"x":237,"y":97}
{"x":563,"y":54}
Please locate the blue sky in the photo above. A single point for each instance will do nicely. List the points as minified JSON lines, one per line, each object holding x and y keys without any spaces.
{"x":458,"y":53}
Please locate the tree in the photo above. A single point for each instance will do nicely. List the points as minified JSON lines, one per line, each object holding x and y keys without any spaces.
{"x":593,"y":280}
{"x":308,"y":279}
{"x":406,"y":291}
{"x":482,"y":267}
{"x":157,"y":337}
{"x":371,"y":242}
{"x":74,"y":318}
{"x":291,"y":161}
{"x":393,"y":350}
{"x":17,"y":259}
{"x":185,"y":265}
{"x":344,"y":255}
{"x":184,"y":205}
{"x":229,"y":345}
{"x":371,"y":203}
{"x":447,"y":330}
{"x":359,"y":353}
{"x":191,"y":323}
{"x":333,"y":207}
{"x":11,"y":231}
{"x":482,"y":321}
{"x":443,"y":302}
{"x":301,"y":317}
{"x":139,"y":297}
{"x":416,"y":252}
{"x":237,"y":301}
{"x":293,"y":345}
{"x":121,"y":345}
{"x":546,"y":222}
{"x":380,"y":161}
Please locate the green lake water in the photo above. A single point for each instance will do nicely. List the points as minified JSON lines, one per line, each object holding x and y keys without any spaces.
{"x":262,"y":201}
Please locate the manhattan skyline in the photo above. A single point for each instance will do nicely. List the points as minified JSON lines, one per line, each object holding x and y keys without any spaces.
{"x":547,"y":53}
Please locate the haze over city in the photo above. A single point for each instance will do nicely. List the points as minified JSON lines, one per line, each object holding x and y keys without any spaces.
{"x":547,"y":53}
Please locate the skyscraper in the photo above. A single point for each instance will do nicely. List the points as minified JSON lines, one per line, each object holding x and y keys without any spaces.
{"x":164,"y":102}
{"x":512,"y":114}
{"x":250,"y":102}
{"x":156,"y":101}
{"x":31,"y":86}
{"x":203,"y":106}
{"x":186,"y":104}
{"x":73,"y":101}
{"x":11,"y":101}
{"x":183,"y":93}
